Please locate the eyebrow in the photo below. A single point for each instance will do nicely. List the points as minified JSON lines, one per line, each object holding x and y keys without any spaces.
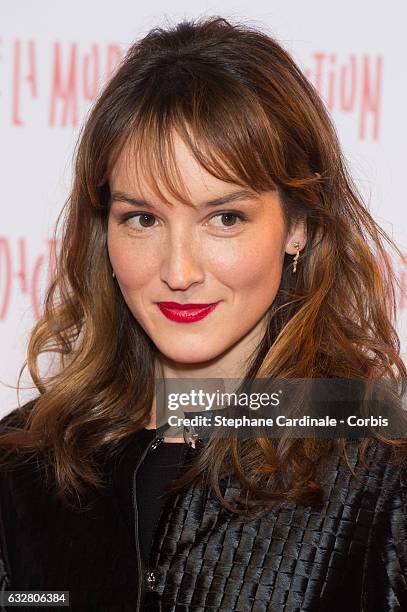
{"x":243,"y":194}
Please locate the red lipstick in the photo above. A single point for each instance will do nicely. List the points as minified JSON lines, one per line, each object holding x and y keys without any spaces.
{"x":185,"y":313}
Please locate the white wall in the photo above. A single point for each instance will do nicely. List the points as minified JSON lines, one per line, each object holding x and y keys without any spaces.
{"x":53,"y":58}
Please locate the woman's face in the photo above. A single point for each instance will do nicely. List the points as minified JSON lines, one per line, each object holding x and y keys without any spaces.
{"x":228,"y":253}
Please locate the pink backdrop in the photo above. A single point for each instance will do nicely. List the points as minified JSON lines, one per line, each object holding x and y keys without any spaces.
{"x":53,"y":59}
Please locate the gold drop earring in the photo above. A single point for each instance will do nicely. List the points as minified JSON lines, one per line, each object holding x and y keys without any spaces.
{"x":113,"y":274}
{"x":295,"y":260}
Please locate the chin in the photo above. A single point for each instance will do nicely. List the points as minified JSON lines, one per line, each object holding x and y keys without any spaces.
{"x":188,"y":354}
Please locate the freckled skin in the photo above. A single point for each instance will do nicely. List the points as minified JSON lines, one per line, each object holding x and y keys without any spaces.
{"x":191,"y":255}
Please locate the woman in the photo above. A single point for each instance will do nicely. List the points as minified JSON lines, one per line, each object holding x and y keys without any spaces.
{"x":208,"y":175}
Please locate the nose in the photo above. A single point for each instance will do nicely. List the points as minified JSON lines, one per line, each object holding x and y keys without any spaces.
{"x":182,"y":260}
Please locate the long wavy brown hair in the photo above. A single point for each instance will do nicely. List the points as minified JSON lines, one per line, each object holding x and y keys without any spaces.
{"x":249,"y":116}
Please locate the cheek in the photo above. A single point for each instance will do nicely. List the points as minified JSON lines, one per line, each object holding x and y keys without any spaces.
{"x":132,"y":267}
{"x":252,"y":265}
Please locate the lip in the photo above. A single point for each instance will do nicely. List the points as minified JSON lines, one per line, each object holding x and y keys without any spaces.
{"x":185,"y":313}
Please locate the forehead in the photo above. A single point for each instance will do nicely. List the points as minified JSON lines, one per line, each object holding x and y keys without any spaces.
{"x":176,"y":175}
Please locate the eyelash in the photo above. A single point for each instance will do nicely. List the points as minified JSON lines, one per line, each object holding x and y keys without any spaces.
{"x":127,"y":216}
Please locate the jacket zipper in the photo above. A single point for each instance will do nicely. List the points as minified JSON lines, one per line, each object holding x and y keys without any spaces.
{"x":136,"y":530}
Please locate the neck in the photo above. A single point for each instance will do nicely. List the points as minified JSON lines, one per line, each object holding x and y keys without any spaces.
{"x":232,"y":364}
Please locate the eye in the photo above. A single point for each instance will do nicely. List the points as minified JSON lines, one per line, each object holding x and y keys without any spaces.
{"x":228,"y":219}
{"x":146,"y":220}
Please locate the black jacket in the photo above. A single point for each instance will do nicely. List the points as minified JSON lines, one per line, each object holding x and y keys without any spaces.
{"x":350,"y":555}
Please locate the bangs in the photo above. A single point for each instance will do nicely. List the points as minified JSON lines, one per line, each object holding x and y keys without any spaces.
{"x":221,"y":143}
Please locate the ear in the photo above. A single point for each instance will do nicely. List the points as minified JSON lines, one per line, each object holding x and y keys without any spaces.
{"x":297,"y":233}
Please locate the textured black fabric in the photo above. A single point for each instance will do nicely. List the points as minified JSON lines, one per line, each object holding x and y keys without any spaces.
{"x":350,"y":555}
